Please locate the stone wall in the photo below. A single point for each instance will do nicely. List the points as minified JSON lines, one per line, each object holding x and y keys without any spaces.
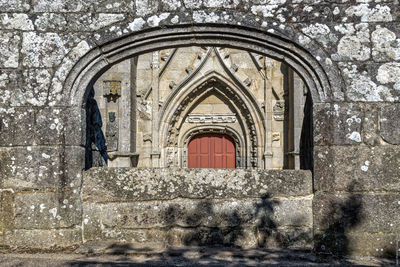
{"x":198,"y":207}
{"x":347,"y":52}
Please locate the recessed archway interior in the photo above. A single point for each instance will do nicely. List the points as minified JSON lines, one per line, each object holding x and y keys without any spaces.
{"x":148,"y":108}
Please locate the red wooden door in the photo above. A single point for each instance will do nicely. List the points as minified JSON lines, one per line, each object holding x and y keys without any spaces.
{"x":211,"y":151}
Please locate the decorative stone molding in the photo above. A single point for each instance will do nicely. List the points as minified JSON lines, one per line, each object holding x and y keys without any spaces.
{"x":112,"y":90}
{"x":279,"y":110}
{"x":247,"y":82}
{"x":211,"y":118}
{"x":234,"y":67}
{"x":189,"y":70}
{"x":172,"y":85}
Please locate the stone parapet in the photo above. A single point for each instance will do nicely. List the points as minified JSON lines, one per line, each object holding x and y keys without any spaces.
{"x":125,"y":184}
{"x":248,"y":208}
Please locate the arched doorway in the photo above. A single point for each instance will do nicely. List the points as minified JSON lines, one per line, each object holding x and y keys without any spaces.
{"x":211,"y":151}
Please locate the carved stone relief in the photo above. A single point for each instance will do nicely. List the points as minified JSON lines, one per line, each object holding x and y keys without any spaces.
{"x":211,"y":118}
{"x":112,"y":90}
{"x":112,"y":132}
{"x":279,"y":110}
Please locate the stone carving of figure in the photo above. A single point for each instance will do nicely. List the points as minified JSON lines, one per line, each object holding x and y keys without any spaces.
{"x":94,"y":134}
{"x":112,"y":132}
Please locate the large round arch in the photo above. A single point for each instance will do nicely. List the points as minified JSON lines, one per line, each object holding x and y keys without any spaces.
{"x":99,"y":59}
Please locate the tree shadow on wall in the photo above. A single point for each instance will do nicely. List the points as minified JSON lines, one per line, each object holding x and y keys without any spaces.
{"x":219,"y":234}
{"x":213,"y":223}
{"x":341,"y":217}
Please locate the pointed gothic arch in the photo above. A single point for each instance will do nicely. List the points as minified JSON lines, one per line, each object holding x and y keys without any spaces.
{"x":175,"y":110}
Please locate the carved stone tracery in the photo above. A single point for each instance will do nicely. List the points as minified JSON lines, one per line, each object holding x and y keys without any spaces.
{"x":212,"y":84}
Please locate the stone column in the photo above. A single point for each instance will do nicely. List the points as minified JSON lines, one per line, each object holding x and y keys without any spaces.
{"x":155,"y":153}
{"x":299,"y":94}
{"x":133,"y":120}
{"x":267,"y":116}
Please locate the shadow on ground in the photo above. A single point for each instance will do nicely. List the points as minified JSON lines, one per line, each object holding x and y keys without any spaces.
{"x":126,"y":255}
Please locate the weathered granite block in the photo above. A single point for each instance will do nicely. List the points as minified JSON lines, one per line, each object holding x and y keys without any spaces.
{"x":14,"y":5}
{"x":6,"y":210}
{"x":56,"y":126}
{"x":370,"y":125}
{"x":92,"y":226}
{"x":43,"y":239}
{"x":390,"y":123}
{"x":361,"y":167}
{"x":373,"y":244}
{"x":47,"y":210}
{"x":337,"y":123}
{"x":17,"y":127}
{"x":9,"y":46}
{"x":358,"y":244}
{"x":23,"y":126}
{"x":356,"y":212}
{"x":208,"y":213}
{"x":41,"y":167}
{"x":125,"y":184}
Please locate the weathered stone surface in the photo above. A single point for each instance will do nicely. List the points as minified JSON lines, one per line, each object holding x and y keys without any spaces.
{"x":112,"y":5}
{"x":51,"y":22}
{"x":14,"y":5}
{"x":92,"y":22}
{"x":145,"y":7}
{"x":363,"y":168}
{"x":17,"y":126}
{"x":386,"y":45}
{"x":43,"y":239}
{"x":370,"y":125}
{"x":41,"y":167}
{"x":59,"y":126}
{"x":47,"y":210}
{"x":351,"y":212}
{"x":241,"y":237}
{"x":6,"y":211}
{"x":16,"y":21}
{"x":268,"y":213}
{"x":373,"y":244}
{"x":46,"y":126}
{"x":338,"y":124}
{"x":9,"y":49}
{"x":124,"y":184}
{"x":58,"y":6}
{"x":42,"y":49}
{"x":364,"y":82}
{"x":390,"y":123}
{"x":24,"y":88}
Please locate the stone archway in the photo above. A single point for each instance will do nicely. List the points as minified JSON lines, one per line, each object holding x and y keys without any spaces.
{"x":177,"y":111}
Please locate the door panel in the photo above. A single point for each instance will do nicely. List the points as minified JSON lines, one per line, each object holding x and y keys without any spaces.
{"x":211,"y":151}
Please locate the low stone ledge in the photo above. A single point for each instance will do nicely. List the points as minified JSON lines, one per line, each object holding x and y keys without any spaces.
{"x":43,"y":239}
{"x":135,"y":184}
{"x":195,"y":213}
{"x":244,"y":237}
